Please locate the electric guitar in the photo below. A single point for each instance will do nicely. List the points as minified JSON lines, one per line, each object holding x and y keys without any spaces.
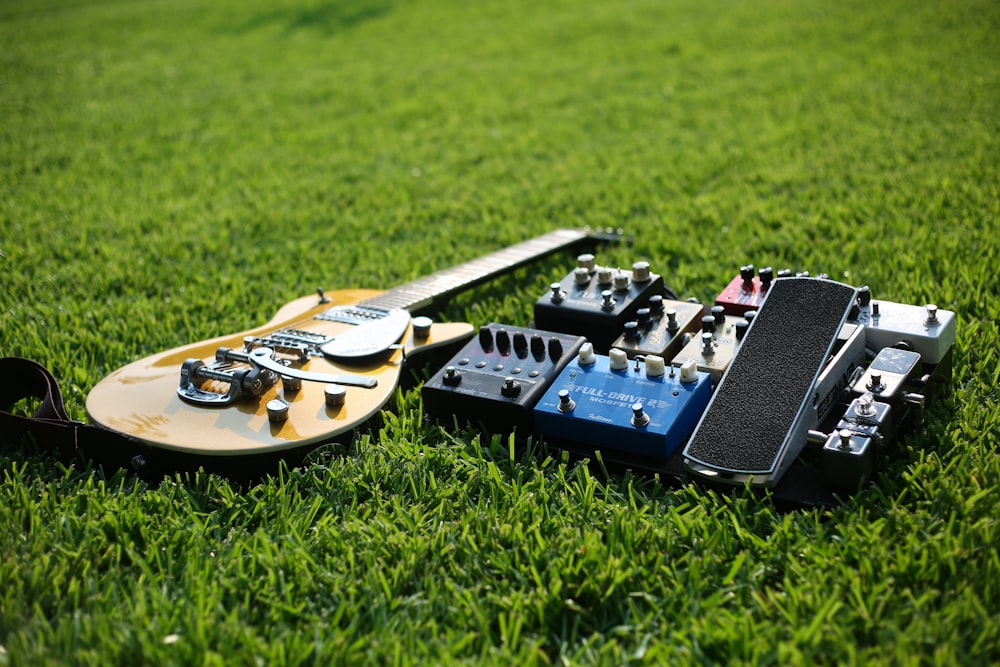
{"x":322,"y":366}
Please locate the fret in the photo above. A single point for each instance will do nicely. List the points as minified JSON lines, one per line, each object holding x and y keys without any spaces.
{"x":423,"y":292}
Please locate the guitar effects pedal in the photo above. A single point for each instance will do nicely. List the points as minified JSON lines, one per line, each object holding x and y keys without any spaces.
{"x":661,"y":328}
{"x":640,"y":406}
{"x":852,"y":450}
{"x":715,"y":345}
{"x":596,"y":301}
{"x":927,"y":330}
{"x":499,"y":375}
{"x":761,"y":412}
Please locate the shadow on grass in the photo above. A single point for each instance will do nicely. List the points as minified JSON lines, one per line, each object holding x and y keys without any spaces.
{"x":327,"y":18}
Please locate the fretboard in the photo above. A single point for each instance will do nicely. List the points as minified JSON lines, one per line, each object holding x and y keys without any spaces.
{"x":424,"y":292}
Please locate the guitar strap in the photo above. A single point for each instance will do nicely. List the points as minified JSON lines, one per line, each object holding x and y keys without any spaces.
{"x":51,"y":428}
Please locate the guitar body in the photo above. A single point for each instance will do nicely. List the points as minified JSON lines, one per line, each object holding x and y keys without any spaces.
{"x":141,"y":399}
{"x":321,"y":367}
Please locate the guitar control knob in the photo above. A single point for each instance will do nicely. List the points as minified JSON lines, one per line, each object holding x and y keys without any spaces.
{"x":639,"y":416}
{"x":277,"y":411}
{"x":555,"y":349}
{"x":520,"y":345}
{"x":581,"y":276}
{"x":537,"y":347}
{"x":586,"y":356}
{"x":621,"y":281}
{"x":503,"y":342}
{"x":604,"y":276}
{"x":510,"y":388}
{"x":631,"y":330}
{"x":655,"y":366}
{"x":290,"y":384}
{"x":617,"y":359}
{"x":452,"y":376}
{"x":566,"y":404}
{"x":672,"y":325}
{"x":335,"y":395}
{"x":746,"y":273}
{"x":486,"y":339}
{"x":656,"y":304}
{"x":708,"y":324}
{"x":640,"y":272}
{"x":586,"y":261}
{"x":422,"y":327}
{"x":766,"y":276}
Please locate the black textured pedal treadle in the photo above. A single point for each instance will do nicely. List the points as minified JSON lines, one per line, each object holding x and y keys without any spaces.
{"x":762,"y":410}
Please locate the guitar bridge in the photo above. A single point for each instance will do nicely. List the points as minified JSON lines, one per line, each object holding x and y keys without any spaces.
{"x":297,"y":344}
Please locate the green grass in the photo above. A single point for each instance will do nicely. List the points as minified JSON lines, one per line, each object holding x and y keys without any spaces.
{"x":175,"y":170}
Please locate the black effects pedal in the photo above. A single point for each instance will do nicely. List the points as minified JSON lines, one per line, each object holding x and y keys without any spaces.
{"x":596,"y":301}
{"x":498,"y":376}
{"x":660,"y":328}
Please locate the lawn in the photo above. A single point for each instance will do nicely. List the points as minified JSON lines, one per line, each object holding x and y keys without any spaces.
{"x":173,"y":170}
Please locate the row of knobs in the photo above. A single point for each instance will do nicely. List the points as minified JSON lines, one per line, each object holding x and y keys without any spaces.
{"x":519,"y":344}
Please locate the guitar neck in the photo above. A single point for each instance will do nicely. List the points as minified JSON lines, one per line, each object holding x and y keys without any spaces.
{"x":424,"y":292}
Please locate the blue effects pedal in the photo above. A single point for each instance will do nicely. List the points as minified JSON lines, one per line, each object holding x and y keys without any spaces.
{"x":609,"y":402}
{"x":498,"y":376}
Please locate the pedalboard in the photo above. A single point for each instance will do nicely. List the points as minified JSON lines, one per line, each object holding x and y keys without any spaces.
{"x":795,"y":383}
{"x":596,"y":301}
{"x":641,"y":406}
{"x":499,"y":375}
{"x":661,"y":328}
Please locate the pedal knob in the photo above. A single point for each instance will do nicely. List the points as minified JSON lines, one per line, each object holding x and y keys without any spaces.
{"x":422,"y":326}
{"x":537,"y":347}
{"x":607,"y":300}
{"x":639,"y":417}
{"x":866,"y":405}
{"x":746,"y":273}
{"x":784,"y":273}
{"x":604,"y":276}
{"x":656,"y":304}
{"x":558,"y":296}
{"x":621,"y":281}
{"x":672,"y":325}
{"x":741,"y":329}
{"x":510,"y":387}
{"x":655,"y":366}
{"x":485,"y":339}
{"x":503,"y":342}
{"x":452,"y":376}
{"x":708,"y":324}
{"x":586,"y":356}
{"x":586,"y":261}
{"x":864,"y":296}
{"x":845,"y":439}
{"x":689,"y":371}
{"x":335,"y":395}
{"x":555,"y":349}
{"x":566,"y":404}
{"x":644,"y":317}
{"x":875,"y":384}
{"x":932,"y":318}
{"x":631,"y":330}
{"x":640,"y":272}
{"x":277,"y":411}
{"x":520,"y":345}
{"x":766,"y":276}
{"x":719,"y":313}
{"x":617,"y":359}
{"x":581,"y":276}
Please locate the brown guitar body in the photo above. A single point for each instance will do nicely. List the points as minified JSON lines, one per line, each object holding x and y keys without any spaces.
{"x":141,"y":400}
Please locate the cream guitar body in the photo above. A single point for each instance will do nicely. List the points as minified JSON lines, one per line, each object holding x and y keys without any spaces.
{"x":322,"y":366}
